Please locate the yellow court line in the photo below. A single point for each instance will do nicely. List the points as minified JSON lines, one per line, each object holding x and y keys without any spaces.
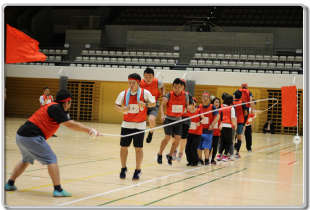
{"x":82,"y":178}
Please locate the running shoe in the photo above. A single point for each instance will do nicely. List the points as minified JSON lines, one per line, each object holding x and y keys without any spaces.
{"x":228,"y":155}
{"x":63,"y":193}
{"x":225,"y":159}
{"x":169,"y":159}
{"x":159,"y":159}
{"x":219,"y":157}
{"x":250,"y":150}
{"x":212,"y":162}
{"x":194,"y":164}
{"x":179,"y":158}
{"x":8,"y":187}
{"x":206,"y":162}
{"x":149,"y":137}
{"x":174,"y":155}
{"x":188,"y":164}
{"x":237,"y":155}
{"x":200,"y":162}
{"x":122,"y":175}
{"x":136,"y":175}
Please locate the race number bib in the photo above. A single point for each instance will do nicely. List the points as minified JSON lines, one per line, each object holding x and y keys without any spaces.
{"x":206,"y":120}
{"x":193,"y":126}
{"x":133,"y":108}
{"x":216,"y":126}
{"x":177,"y":108}
{"x":49,"y":101}
{"x":250,"y":120}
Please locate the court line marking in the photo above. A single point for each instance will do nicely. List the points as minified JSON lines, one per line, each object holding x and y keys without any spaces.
{"x":280,"y":149}
{"x":82,"y":178}
{"x":292,"y":151}
{"x":192,"y":176}
{"x":291,"y":163}
{"x":157,"y":179}
{"x":194,"y":187}
{"x":128,"y":186}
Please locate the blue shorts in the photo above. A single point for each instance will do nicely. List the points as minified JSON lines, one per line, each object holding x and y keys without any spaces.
{"x":205,"y":141}
{"x":239,"y":129}
{"x":35,"y":148}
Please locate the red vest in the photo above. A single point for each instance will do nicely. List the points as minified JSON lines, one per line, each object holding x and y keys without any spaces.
{"x":137,"y":115}
{"x":209,"y":117}
{"x":44,"y":122}
{"x":186,"y":113}
{"x":44,"y":98}
{"x":245,"y":96}
{"x":198,"y":130}
{"x":250,"y":118}
{"x":153,"y":87}
{"x":174,"y":104}
{"x":239,"y":111}
{"x":216,"y":129}
{"x":227,"y":115}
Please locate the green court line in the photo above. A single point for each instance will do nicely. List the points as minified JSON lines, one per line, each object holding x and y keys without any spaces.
{"x":194,"y":187}
{"x":279,"y":149}
{"x":159,"y":187}
{"x":292,"y":151}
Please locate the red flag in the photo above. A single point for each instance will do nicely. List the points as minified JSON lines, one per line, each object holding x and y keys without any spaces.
{"x":289,"y":106}
{"x":21,"y":48}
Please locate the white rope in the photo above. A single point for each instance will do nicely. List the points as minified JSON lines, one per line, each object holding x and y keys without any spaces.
{"x":93,"y":133}
{"x":178,"y":121}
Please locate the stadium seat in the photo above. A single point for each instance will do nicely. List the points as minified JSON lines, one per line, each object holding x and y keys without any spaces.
{"x":136,"y":67}
{"x":209,"y":63}
{"x":64,"y":52}
{"x":168,"y":55}
{"x":156,"y":61}
{"x":285,"y":72}
{"x":290,"y":58}
{"x":228,"y":56}
{"x":85,"y":58}
{"x":255,"y":64}
{"x":280,"y":65}
{"x":158,"y":67}
{"x":266,"y":57}
{"x":237,"y":70}
{"x":125,"y":54}
{"x":58,"y":58}
{"x":171,"y":61}
{"x":244,"y":57}
{"x":141,"y":60}
{"x":51,"y":64}
{"x":212,"y":56}
{"x":298,"y":58}
{"x":220,"y":56}
{"x":224,"y":63}
{"x":240,"y":64}
{"x":38,"y":64}
{"x":296,"y":66}
{"x":98,"y":52}
{"x":91,"y":52}
{"x":235,"y":57}
{"x":189,"y":69}
{"x":119,"y":53}
{"x":146,"y":54}
{"x":271,"y":65}
{"x":51,"y":51}
{"x":247,"y":64}
{"x":107,"y":66}
{"x":205,"y":55}
{"x":128,"y":67}
{"x":134,"y":60}
{"x":228,"y":70}
{"x":220,"y":70}
{"x":274,"y":58}
{"x":204,"y":69}
{"x":282,"y":58}
{"x":154,"y":54}
{"x":251,"y":57}
{"x":263,"y":65}
{"x":161,"y":55}
{"x":120,"y":60}
{"x":164,"y":61}
{"x":216,"y":63}
{"x":72,"y":65}
{"x":232,"y":63}
{"x":45,"y":51}
{"x":79,"y":65}
{"x":165,"y":68}
{"x":288,"y":66}
{"x":57,"y":52}
{"x":212,"y":69}
{"x":93,"y":65}
{"x":175,"y":55}
{"x":197,"y":55}
{"x":149,"y":61}
{"x":196,"y":69}
{"x":193,"y":62}
{"x":106,"y":59}
{"x":105,"y":53}
{"x":92,"y":59}
{"x":258,"y":57}
{"x":261,"y":71}
{"x":139,"y":54}
{"x":99,"y":59}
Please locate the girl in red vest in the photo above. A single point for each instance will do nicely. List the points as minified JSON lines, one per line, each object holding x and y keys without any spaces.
{"x":217,"y":130}
{"x":135,"y":101}
{"x":249,"y":125}
{"x":177,"y":101}
{"x":194,"y":136}
{"x":229,"y":122}
{"x":153,"y":85}
{"x":31,"y":140}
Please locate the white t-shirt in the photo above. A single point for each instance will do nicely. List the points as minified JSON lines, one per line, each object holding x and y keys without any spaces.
{"x":135,"y":125}
{"x":252,"y":119}
{"x":232,"y":115}
{"x":41,"y":99}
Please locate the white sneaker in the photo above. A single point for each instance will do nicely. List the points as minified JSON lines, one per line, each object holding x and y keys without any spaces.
{"x":174,"y":155}
{"x":232,"y":158}
{"x":179,"y":158}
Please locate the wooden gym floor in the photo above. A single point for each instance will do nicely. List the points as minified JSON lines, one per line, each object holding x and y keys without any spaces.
{"x":272,"y":175}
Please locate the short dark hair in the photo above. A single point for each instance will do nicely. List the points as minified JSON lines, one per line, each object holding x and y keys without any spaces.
{"x":177,"y":81}
{"x":224,"y":96}
{"x":46,"y":88}
{"x":183,"y":83}
{"x":63,"y":94}
{"x":229,"y":100}
{"x":216,"y":98}
{"x":149,"y":71}
{"x":238,"y":94}
{"x":135,"y":76}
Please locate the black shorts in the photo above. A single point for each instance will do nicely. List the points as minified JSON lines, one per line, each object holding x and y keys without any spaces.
{"x":185,"y":129}
{"x":175,"y":129}
{"x":153,"y":111}
{"x":137,"y":139}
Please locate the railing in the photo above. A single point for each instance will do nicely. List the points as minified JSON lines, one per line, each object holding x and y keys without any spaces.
{"x":133,"y":47}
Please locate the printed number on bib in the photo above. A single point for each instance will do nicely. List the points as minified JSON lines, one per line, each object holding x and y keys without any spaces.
{"x":216,"y":126}
{"x":193,"y":126}
{"x":206,"y":120}
{"x":49,"y":101}
{"x":133,"y":108}
{"x":177,"y":108}
{"x":250,"y":120}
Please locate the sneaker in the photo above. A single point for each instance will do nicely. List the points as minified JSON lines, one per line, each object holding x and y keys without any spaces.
{"x":206,"y":162}
{"x":194,"y":164}
{"x":228,"y":155}
{"x":200,"y":162}
{"x":8,"y":187}
{"x":212,"y":163}
{"x":149,"y":137}
{"x":188,"y":164}
{"x":136,"y":175}
{"x":219,"y":157}
{"x":63,"y":193}
{"x":54,"y":135}
{"x":159,"y":159}
{"x":179,"y":158}
{"x":122,"y":175}
{"x":174,"y":155}
{"x":225,"y":159}
{"x":250,"y":150}
{"x":237,"y":155}
{"x":169,"y":159}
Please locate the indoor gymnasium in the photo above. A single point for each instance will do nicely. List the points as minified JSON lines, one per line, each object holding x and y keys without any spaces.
{"x":159,"y":106}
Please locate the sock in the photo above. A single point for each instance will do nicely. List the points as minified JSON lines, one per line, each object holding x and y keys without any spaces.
{"x":10,"y":182}
{"x":238,"y":145}
{"x":58,"y":188}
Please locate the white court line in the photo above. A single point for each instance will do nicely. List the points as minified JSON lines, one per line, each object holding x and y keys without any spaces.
{"x":155,"y":179}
